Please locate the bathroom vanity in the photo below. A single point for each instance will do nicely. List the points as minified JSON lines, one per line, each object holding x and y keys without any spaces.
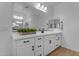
{"x":39,"y":44}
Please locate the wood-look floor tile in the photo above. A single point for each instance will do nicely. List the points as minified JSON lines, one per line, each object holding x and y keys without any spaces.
{"x":63,"y":52}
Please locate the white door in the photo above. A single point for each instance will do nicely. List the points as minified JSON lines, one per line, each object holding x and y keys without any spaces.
{"x":27,"y":50}
{"x":48,"y":46}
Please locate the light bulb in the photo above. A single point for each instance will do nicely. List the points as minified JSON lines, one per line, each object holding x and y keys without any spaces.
{"x":45,"y":8}
{"x":42,"y":7}
{"x":20,"y":17}
{"x":38,"y":5}
{"x":17,"y":17}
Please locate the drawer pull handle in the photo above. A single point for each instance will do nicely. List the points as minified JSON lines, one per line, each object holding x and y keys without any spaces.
{"x":50,"y":41}
{"x":26,"y":41}
{"x":32,"y":48}
{"x":56,"y":45}
{"x":39,"y":38}
{"x":39,"y":46}
{"x":40,"y":55}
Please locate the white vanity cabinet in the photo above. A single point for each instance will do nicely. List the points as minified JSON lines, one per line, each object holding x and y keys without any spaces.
{"x":48,"y":44}
{"x":37,"y":45}
{"x":25,"y":47}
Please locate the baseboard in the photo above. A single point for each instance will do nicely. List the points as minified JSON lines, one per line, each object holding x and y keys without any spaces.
{"x":76,"y":50}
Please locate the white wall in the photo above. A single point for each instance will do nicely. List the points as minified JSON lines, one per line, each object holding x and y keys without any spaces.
{"x":5,"y":27}
{"x":70,"y":13}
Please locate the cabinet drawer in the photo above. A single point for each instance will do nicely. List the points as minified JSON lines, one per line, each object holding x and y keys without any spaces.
{"x":38,"y":46}
{"x":50,"y":37}
{"x":24,"y":42}
{"x":39,"y":53}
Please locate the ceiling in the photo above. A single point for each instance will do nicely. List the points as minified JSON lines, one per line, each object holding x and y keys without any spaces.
{"x":45,"y":3}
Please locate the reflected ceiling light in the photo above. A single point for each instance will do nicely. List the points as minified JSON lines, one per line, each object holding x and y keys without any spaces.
{"x":17,"y":17}
{"x":45,"y":8}
{"x":14,"y":24}
{"x":20,"y":17}
{"x":40,"y":7}
{"x":18,"y":22}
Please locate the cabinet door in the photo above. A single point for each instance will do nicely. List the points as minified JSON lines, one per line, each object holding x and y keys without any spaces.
{"x":25,"y":50}
{"x":57,"y":41}
{"x":48,"y":46}
{"x":25,"y":47}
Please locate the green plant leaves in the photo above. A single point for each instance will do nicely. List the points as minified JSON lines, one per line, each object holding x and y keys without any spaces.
{"x":27,"y":30}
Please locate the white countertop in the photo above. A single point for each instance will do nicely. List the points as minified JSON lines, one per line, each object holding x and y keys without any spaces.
{"x":17,"y":36}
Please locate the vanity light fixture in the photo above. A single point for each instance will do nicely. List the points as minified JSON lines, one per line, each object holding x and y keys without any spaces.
{"x":41,"y":7}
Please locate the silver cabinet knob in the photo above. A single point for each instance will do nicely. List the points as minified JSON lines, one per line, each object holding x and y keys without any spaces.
{"x":50,"y":41}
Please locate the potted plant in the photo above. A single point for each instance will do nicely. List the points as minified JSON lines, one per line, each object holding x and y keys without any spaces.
{"x":26,"y":31}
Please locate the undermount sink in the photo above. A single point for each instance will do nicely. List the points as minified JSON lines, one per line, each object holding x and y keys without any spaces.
{"x":50,"y":29}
